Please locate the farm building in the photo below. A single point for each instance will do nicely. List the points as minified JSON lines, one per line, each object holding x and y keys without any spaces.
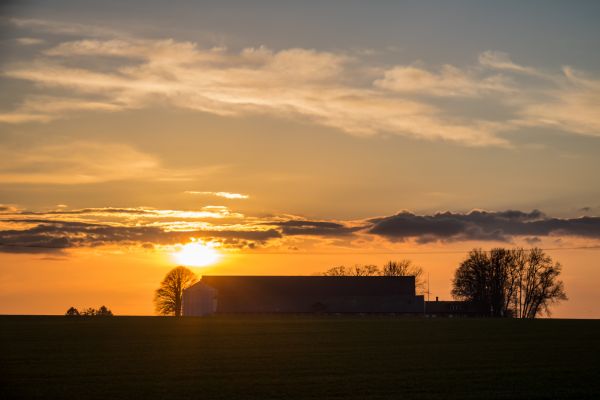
{"x":302,"y":294}
{"x":450,"y":309}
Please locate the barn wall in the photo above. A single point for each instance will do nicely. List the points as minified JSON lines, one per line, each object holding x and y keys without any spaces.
{"x":302,"y":294}
{"x":199,"y":300}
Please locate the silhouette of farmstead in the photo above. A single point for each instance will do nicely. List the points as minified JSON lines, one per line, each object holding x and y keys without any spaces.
{"x":314,"y":294}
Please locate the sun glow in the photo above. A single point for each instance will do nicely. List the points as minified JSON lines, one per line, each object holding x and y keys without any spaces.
{"x":197,"y":255}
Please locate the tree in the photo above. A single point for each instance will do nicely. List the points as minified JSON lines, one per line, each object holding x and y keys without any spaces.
{"x":508,"y":283}
{"x":168,"y":297}
{"x":72,"y":312}
{"x":340,"y":270}
{"x":104,"y":312}
{"x":538,"y":285}
{"x":405,"y":268}
{"x":88,"y":312}
{"x":357,"y":270}
{"x":365,"y":270}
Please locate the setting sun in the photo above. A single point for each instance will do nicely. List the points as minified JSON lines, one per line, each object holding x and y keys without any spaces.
{"x":197,"y":255}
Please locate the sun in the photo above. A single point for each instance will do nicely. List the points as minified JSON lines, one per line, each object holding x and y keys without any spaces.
{"x":197,"y":255}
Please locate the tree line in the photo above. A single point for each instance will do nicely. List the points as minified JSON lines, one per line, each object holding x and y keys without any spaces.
{"x":391,"y":268}
{"x":515,"y":283}
{"x":102,"y":311}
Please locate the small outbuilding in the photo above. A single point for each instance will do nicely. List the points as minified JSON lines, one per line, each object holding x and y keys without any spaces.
{"x":453,"y":308}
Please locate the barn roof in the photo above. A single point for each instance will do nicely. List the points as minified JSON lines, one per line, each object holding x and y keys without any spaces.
{"x":330,"y":285}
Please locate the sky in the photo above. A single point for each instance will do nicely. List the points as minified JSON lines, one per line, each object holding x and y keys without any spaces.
{"x":290,"y":137}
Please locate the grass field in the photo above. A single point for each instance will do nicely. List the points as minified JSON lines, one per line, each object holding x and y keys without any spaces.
{"x":266,"y":357}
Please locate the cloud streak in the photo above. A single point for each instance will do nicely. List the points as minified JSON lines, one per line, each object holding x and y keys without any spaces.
{"x":294,"y":83}
{"x":226,"y":195}
{"x":52,"y":231}
{"x":85,"y":162}
{"x":333,"y":89}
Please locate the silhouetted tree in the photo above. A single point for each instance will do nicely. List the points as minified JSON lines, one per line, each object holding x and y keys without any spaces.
{"x":104,"y":312}
{"x":88,"y":312}
{"x":168,"y":297}
{"x":405,"y":268}
{"x":391,"y":268}
{"x":340,"y":270}
{"x":72,"y":312}
{"x":357,"y":270}
{"x":538,"y":286}
{"x":508,"y":283}
{"x":365,"y":270}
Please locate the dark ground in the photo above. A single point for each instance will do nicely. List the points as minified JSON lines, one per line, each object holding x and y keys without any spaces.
{"x":268,"y":357}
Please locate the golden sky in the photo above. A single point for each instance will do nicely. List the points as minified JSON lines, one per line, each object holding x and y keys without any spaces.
{"x":285,"y":139}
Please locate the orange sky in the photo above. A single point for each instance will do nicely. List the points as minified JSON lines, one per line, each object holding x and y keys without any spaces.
{"x":125,"y":280}
{"x":291,"y":137}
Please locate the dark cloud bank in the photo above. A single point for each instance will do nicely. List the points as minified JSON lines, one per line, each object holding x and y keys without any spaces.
{"x":46,"y":235}
{"x":54,"y":236}
{"x":481,"y":225}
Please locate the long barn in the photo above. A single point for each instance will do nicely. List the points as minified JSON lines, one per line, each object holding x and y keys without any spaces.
{"x":302,"y":294}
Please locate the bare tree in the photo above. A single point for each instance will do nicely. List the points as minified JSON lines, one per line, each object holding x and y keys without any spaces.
{"x":339,"y":270}
{"x":357,"y":270}
{"x":365,"y":270}
{"x":405,"y":268}
{"x":539,"y":287}
{"x":508,"y":283}
{"x":168,"y":297}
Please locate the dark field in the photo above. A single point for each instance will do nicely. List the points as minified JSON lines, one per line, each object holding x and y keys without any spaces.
{"x":297,"y":357}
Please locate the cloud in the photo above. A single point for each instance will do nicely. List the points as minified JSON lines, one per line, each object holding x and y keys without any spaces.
{"x":85,"y":162}
{"x":53,"y":231}
{"x":315,"y":85}
{"x":227,"y":195}
{"x":481,"y":225}
{"x":334,"y":89}
{"x":317,"y":228}
{"x":572,"y":107}
{"x":56,"y":236}
{"x":58,"y":230}
{"x":73,"y":163}
{"x":502,"y":61}
{"x":450,"y":81}
{"x":47,"y":108}
{"x":533,"y":240}
{"x":29,"y":41}
{"x":63,"y":28}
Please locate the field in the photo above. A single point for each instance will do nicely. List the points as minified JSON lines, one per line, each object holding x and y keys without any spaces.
{"x":267,"y":357}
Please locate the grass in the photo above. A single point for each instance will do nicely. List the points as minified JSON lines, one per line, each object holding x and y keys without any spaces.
{"x":303,"y":357}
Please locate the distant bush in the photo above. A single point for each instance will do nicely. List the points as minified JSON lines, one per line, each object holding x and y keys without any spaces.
{"x":72,"y":312}
{"x":103,"y":311}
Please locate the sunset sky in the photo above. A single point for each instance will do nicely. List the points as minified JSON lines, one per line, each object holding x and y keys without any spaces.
{"x":288,"y":138}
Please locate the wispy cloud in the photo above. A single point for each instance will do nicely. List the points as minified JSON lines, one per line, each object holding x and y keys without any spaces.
{"x":86,"y":162}
{"x":29,"y":41}
{"x":293,"y":82}
{"x":501,"y":61}
{"x":64,"y":28}
{"x":573,"y":106}
{"x":327,"y":88}
{"x":450,"y":81}
{"x":227,"y":195}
